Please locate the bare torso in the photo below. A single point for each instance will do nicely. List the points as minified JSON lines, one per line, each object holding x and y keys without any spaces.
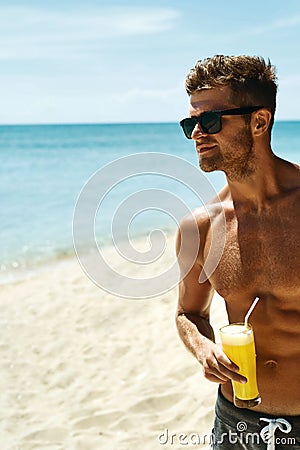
{"x":262,"y":258}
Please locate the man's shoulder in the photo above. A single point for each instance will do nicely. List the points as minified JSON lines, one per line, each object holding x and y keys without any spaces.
{"x":207,"y":212}
{"x":289,"y":171}
{"x":296,"y":166}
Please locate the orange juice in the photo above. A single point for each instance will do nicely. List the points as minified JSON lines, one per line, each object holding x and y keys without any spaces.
{"x":238,"y":344}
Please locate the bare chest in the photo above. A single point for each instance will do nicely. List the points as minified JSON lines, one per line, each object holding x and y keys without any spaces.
{"x":261,"y":255}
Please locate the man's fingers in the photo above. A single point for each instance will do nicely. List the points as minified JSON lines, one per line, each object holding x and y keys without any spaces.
{"x":230,"y":374}
{"x":215,"y":379}
{"x":228,"y":367}
{"x":222,"y":358}
{"x":214,"y":369}
{"x":212,"y":373}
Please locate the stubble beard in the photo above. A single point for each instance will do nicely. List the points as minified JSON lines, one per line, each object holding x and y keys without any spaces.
{"x":236,"y":159}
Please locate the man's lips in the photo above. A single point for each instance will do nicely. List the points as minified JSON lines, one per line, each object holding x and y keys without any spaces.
{"x":201,"y":148}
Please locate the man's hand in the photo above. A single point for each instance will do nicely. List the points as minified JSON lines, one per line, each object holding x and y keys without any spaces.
{"x":217,"y":367}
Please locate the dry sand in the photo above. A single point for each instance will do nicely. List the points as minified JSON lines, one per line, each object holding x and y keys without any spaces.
{"x":83,"y":369}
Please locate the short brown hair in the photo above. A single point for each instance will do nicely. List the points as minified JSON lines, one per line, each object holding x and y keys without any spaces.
{"x":252,"y":80}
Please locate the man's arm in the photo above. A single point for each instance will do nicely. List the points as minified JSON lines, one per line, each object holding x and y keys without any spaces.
{"x":192,"y":316}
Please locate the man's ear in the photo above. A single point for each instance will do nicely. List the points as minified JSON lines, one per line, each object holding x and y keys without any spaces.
{"x":261,"y":121}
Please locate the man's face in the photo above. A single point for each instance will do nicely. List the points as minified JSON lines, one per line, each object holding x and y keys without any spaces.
{"x":229,"y":150}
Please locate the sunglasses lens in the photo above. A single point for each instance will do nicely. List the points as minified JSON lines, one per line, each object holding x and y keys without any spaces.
{"x":188,"y":126}
{"x":210,"y":122}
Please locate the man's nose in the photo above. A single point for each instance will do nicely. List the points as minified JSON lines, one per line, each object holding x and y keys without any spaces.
{"x":197,"y":131}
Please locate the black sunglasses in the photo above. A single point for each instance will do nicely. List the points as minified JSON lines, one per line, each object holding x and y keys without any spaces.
{"x":211,"y":122}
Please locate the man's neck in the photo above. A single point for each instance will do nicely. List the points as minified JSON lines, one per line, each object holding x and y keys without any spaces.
{"x":255,"y":190}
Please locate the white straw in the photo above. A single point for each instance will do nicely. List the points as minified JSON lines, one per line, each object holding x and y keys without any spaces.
{"x":250,"y":310}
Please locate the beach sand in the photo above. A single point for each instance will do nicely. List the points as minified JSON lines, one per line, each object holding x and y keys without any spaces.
{"x":83,"y":369}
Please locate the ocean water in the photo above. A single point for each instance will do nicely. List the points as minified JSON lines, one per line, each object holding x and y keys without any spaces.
{"x":45,"y":167}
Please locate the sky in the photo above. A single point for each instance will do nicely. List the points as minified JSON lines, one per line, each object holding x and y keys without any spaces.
{"x":125,"y":61}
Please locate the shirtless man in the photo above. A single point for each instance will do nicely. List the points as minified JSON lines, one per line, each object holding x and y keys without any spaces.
{"x":261,"y":257}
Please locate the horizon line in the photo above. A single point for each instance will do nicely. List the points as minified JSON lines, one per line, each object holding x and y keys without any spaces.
{"x":166,"y":122}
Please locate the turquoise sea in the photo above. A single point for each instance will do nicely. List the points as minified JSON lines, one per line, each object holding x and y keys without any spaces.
{"x":44,"y":168}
